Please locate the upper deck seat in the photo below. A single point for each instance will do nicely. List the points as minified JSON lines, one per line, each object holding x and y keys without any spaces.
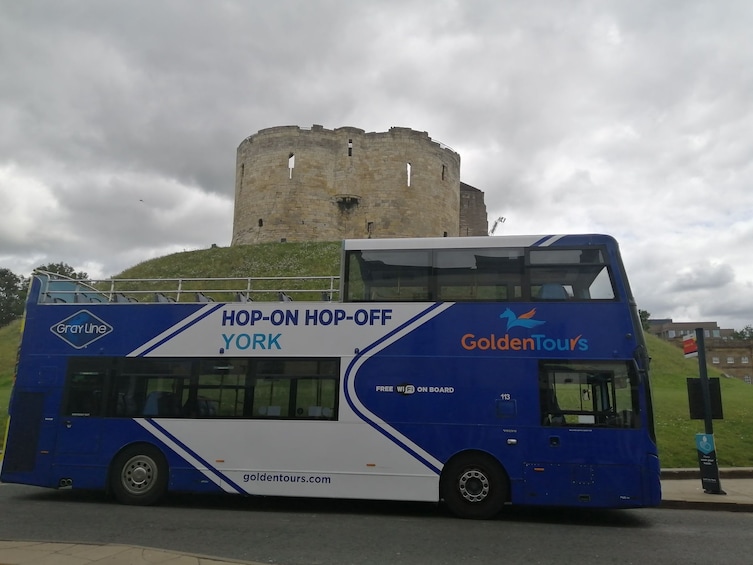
{"x":552,"y":291}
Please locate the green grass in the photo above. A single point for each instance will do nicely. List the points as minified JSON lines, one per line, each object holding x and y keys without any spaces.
{"x":669,"y":370}
{"x":263,"y":260}
{"x":10,"y":336}
{"x":676,"y":431}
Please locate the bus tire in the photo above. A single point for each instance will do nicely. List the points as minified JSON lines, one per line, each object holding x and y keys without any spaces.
{"x":139,"y":475}
{"x":474,"y":486}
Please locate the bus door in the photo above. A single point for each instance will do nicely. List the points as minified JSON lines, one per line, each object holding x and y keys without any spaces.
{"x":588,"y":448}
{"x":79,"y":424}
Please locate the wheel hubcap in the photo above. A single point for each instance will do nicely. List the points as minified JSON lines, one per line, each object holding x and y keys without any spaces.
{"x":473,"y":485}
{"x":138,"y":474}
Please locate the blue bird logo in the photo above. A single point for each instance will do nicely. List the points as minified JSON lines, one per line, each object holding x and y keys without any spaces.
{"x":523,"y":321}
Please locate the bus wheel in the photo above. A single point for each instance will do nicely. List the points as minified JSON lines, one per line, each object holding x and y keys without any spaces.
{"x":474,"y":486}
{"x":139,"y":475}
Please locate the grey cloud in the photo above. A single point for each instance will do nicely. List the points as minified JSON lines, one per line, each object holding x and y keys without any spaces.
{"x":703,"y":276}
{"x":733,"y":308}
{"x":623,"y":117}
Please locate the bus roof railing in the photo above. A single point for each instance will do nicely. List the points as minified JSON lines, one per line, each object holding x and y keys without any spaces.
{"x":59,"y":289}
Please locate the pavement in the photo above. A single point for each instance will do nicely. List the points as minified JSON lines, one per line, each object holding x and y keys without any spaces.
{"x":681,"y":488}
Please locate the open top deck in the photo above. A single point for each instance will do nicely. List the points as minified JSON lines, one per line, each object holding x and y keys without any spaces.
{"x":58,"y":289}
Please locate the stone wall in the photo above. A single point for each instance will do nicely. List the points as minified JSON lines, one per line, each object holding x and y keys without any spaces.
{"x":315,"y":184}
{"x":473,"y":218}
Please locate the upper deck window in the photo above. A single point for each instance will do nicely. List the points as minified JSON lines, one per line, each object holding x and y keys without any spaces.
{"x":569,"y":274}
{"x":402,"y":275}
{"x":478,"y":274}
{"x":565,"y":256}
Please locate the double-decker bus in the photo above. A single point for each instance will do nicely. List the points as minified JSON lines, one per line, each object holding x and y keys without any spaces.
{"x":477,"y":371}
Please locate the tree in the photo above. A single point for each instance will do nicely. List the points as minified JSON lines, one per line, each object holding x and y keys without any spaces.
{"x":12,"y":294}
{"x":644,"y":318}
{"x":13,"y":288}
{"x":63,"y":269}
{"x":746,"y":333}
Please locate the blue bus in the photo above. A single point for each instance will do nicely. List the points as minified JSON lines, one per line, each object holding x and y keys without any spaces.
{"x":477,"y":371}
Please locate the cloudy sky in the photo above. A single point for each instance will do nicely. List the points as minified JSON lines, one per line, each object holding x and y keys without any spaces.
{"x":119,"y":122}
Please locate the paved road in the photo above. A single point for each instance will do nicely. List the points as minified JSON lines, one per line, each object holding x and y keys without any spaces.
{"x":305,"y":532}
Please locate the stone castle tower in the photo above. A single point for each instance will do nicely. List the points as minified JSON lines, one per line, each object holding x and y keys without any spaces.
{"x":299,"y":184}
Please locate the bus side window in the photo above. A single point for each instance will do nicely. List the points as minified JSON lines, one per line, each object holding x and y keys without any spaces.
{"x":588,"y":393}
{"x":582,"y":274}
{"x":84,"y":394}
{"x":552,"y":414}
{"x":161,"y":403}
{"x":125,"y":405}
